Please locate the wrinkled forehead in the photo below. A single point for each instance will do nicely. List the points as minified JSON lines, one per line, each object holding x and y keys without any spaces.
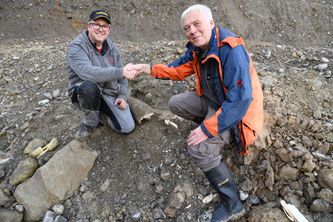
{"x":192,"y":16}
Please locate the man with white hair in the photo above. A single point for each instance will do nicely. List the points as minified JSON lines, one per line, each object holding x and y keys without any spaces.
{"x":227,"y":102}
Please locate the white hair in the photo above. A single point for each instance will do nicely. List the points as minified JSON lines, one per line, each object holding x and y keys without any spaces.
{"x":204,"y":10}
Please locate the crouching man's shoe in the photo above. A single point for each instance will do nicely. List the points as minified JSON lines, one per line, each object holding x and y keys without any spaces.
{"x":221,"y":214}
{"x":231,"y":207}
{"x":83,"y":131}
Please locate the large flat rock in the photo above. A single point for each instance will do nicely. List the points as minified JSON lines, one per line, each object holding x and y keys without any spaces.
{"x":56,"y":180}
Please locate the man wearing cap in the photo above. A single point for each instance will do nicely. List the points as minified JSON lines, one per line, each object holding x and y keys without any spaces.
{"x":97,"y":81}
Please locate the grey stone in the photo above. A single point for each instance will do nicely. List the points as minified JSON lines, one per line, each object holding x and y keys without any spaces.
{"x":56,"y":180}
{"x":60,"y":218}
{"x":309,"y":193}
{"x":246,"y":184}
{"x":269,"y":180}
{"x":49,"y":216}
{"x":317,"y":114}
{"x":10,"y":216}
{"x":135,"y":213}
{"x":320,"y":205}
{"x":253,"y":200}
{"x":243,"y":195}
{"x":158,"y":213}
{"x":55,"y":93}
{"x":4,"y":199}
{"x":58,"y":209}
{"x":19,"y":208}
{"x":165,"y":173}
{"x":105,"y":185}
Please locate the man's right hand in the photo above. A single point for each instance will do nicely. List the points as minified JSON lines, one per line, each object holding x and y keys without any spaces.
{"x":130,"y":71}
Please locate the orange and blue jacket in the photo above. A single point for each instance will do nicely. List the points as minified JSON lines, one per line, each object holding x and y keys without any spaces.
{"x":237,"y":86}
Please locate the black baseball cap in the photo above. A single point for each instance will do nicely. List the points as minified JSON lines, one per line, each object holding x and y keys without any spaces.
{"x":100,"y":14}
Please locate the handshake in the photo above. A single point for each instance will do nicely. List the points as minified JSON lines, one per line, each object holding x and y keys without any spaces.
{"x":131,"y":71}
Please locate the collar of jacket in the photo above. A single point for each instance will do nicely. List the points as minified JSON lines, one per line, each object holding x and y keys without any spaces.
{"x":105,"y":45}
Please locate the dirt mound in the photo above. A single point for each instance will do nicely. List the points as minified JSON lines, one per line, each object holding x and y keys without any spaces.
{"x":300,"y":23}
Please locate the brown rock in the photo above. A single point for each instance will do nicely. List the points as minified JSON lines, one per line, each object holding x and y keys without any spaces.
{"x":23,"y":171}
{"x":325,"y":194}
{"x":34,"y":144}
{"x":269,"y":182}
{"x":287,"y":173}
{"x":325,"y":179}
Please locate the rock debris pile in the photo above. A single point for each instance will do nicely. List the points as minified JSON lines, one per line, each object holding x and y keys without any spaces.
{"x":147,"y":175}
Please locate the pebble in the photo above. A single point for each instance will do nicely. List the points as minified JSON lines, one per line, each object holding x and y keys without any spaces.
{"x":253,"y":200}
{"x":59,"y":117}
{"x":243,"y":195}
{"x":55,"y":93}
{"x":317,"y":114}
{"x":158,"y":187}
{"x":60,"y":218}
{"x":105,"y":185}
{"x":43,"y":102}
{"x":49,"y":216}
{"x":58,"y":209}
{"x":19,"y":208}
{"x":246,"y":185}
{"x":48,"y":96}
{"x":165,"y":173}
{"x":322,"y":67}
{"x":135,"y":213}
{"x":324,"y":60}
{"x":320,"y":205}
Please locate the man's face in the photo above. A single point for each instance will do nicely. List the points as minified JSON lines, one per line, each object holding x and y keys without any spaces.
{"x":198,"y":28}
{"x":96,"y":32}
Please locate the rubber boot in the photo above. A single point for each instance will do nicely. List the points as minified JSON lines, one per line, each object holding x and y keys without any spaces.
{"x":231,"y":207}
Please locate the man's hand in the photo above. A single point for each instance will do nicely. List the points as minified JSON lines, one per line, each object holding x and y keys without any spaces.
{"x":144,"y":68}
{"x":196,"y":136}
{"x":130,"y":71}
{"x":122,"y":103}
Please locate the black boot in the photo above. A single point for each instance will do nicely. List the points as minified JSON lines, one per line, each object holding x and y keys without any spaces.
{"x":231,"y":207}
{"x":198,"y":119}
{"x":83,"y":131}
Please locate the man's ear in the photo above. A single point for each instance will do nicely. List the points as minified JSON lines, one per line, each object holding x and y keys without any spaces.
{"x":212,"y":23}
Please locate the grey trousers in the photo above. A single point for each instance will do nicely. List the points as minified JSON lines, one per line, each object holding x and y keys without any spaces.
{"x":190,"y":105}
{"x":98,"y":107}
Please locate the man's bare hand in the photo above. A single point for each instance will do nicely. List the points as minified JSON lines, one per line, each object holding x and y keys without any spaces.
{"x":131,"y":71}
{"x":144,"y":68}
{"x":122,"y":103}
{"x":196,"y":136}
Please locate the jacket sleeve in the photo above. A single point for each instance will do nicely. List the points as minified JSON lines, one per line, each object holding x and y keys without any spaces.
{"x":79,"y":61}
{"x":177,"y":70}
{"x":237,"y":81}
{"x":123,"y":82}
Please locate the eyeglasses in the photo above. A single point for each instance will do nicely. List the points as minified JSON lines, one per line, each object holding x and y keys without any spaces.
{"x":98,"y":26}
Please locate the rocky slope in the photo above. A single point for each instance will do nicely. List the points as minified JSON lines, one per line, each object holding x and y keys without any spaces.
{"x":138,"y":176}
{"x":148,"y":175}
